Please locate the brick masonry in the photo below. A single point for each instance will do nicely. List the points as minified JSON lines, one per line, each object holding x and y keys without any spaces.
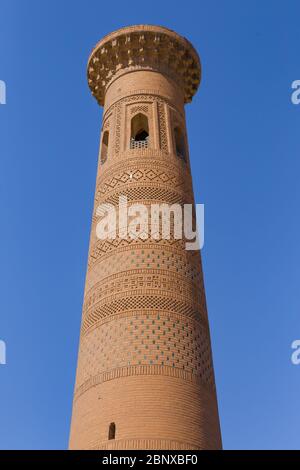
{"x":144,"y":359}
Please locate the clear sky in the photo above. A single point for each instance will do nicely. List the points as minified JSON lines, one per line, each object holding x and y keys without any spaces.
{"x":245,"y":146}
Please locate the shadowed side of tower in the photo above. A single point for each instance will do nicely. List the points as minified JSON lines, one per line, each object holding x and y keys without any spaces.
{"x":145,"y":377}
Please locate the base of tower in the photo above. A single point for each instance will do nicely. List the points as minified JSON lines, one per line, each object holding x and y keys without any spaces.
{"x":146,"y":412}
{"x":144,"y":444}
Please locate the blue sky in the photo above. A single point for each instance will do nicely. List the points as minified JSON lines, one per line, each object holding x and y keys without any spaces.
{"x":245,"y":146}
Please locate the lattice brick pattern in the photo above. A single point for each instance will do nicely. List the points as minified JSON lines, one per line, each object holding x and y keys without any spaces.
{"x":103,"y":247}
{"x":146,"y":339}
{"x":144,"y":194}
{"x":142,"y":108}
{"x":130,"y":258}
{"x":162,"y":127}
{"x":138,"y":303}
{"x":118,"y":127}
{"x":164,"y":269}
{"x":142,"y":175}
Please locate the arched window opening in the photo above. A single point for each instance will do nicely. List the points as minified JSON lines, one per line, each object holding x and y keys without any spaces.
{"x":139,"y":132}
{"x":104,"y":146}
{"x":179,"y":143}
{"x":112,"y":431}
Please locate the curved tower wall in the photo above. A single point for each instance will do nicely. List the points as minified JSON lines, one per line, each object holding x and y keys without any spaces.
{"x":145,"y":377}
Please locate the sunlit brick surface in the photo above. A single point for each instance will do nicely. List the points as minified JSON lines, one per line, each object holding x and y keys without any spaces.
{"x":144,"y":359}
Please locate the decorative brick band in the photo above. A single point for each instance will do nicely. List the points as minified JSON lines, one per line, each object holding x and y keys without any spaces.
{"x":139,"y":303}
{"x":150,"y":280}
{"x":145,"y":194}
{"x":188,"y":261}
{"x":153,"y":444}
{"x":139,"y":370}
{"x":147,"y":95}
{"x":157,"y":175}
{"x":102,"y":247}
{"x":144,"y":164}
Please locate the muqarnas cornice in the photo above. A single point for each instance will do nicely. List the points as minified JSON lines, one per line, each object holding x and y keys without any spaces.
{"x":144,"y":47}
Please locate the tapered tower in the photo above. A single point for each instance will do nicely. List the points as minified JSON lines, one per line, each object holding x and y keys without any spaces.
{"x":145,"y":377}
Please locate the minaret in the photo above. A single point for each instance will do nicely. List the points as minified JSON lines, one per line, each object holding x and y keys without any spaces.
{"x":145,"y":376}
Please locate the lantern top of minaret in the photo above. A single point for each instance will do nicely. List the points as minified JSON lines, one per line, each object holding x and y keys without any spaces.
{"x":144,"y":47}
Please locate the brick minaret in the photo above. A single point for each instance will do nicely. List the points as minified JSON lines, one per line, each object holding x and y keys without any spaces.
{"x":145,"y":377}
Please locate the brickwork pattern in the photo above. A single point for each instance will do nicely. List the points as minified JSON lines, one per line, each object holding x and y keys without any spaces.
{"x":144,"y":359}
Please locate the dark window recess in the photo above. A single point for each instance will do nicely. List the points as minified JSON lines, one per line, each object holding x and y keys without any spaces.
{"x":112,"y":431}
{"x":104,"y":146}
{"x":179,"y":143}
{"x":139,"y":132}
